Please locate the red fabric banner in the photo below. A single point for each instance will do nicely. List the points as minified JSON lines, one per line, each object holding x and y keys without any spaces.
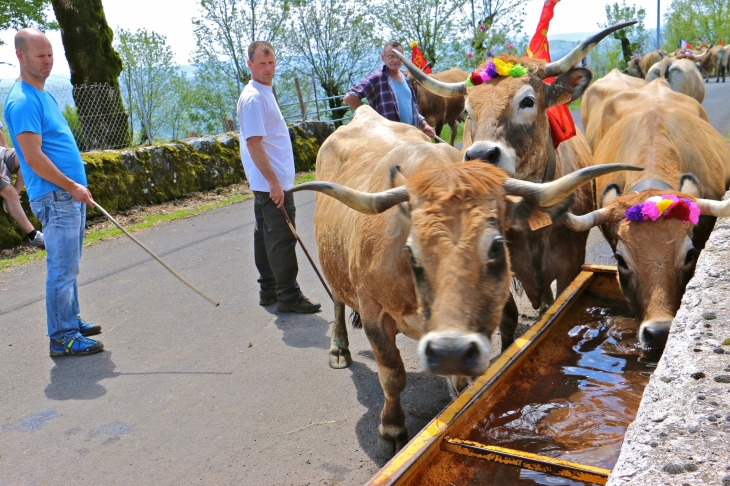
{"x":418,"y":59}
{"x":562,"y":126}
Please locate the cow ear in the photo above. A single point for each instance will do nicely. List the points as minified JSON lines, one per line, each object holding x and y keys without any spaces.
{"x":568,"y":87}
{"x":519,"y":209}
{"x":609,"y":194}
{"x":689,"y":184}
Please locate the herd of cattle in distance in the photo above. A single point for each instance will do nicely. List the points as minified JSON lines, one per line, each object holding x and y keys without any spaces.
{"x":423,"y":239}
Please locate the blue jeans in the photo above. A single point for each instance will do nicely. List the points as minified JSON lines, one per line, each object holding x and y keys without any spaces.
{"x":63,"y":221}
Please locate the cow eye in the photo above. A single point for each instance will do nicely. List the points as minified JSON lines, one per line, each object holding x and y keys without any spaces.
{"x":527,"y":102}
{"x":496,"y":250}
{"x":691,"y":256}
{"x":621,"y":262}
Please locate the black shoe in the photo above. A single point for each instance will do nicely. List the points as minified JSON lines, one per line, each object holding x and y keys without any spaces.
{"x":302,"y":306}
{"x":267,"y":298}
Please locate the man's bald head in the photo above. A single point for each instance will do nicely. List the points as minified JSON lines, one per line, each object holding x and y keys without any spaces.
{"x":27,"y":37}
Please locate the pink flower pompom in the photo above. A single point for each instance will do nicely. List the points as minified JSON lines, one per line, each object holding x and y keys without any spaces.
{"x":694,"y":213}
{"x":470,"y":54}
{"x":651,"y":211}
{"x":510,"y":46}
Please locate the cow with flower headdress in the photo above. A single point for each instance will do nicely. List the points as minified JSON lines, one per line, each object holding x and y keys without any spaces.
{"x":656,"y":221}
{"x":507,"y":99}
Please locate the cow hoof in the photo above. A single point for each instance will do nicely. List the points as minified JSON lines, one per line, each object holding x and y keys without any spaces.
{"x":340,"y":358}
{"x":390,"y":444}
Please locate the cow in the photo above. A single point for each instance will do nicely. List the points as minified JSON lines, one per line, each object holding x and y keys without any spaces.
{"x":710,"y":60}
{"x":591,"y":107}
{"x":507,"y":126}
{"x":638,"y":68}
{"x":723,"y":58}
{"x":436,"y":268}
{"x":669,"y":135}
{"x":440,"y":111}
{"x":682,"y":76}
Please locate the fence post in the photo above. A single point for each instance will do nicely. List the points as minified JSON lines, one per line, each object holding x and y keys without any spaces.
{"x":141,"y":108}
{"x":301,"y":100}
{"x":316,"y":100}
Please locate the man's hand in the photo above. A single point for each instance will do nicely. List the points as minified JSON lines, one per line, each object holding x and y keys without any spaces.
{"x":428,"y":130}
{"x":81,"y":194}
{"x":276,"y":193}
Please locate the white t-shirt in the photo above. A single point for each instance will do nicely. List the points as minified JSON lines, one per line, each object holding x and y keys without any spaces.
{"x":259,"y":116}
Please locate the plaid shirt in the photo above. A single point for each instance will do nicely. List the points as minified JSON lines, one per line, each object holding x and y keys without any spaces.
{"x":380,"y":95}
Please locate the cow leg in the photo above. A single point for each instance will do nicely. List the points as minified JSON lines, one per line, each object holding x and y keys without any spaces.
{"x":453,"y":127}
{"x":508,"y":324}
{"x":339,"y":345}
{"x":392,"y":432}
{"x":439,"y":128}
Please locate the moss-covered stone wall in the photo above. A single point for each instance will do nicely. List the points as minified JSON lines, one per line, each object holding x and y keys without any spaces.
{"x":120,"y":179}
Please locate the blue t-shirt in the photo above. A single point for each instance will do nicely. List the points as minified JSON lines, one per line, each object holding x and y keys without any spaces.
{"x":403,"y":95}
{"x":30,"y":110}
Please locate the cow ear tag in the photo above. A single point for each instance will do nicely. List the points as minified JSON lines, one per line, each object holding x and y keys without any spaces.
{"x":539,"y":219}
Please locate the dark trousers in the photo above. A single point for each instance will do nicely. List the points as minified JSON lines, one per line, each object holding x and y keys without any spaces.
{"x":275,"y":247}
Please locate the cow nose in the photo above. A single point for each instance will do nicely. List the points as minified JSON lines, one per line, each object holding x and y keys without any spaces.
{"x":654,"y":334}
{"x":487,"y":154}
{"x":454,"y":353}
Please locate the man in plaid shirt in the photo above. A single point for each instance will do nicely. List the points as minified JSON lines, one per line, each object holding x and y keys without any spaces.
{"x":388,"y":92}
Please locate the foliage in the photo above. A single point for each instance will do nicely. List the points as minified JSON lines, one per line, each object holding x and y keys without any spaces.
{"x":631,"y":40}
{"x":493,"y":25}
{"x":425,"y":21}
{"x":154,"y":89}
{"x":337,"y":40}
{"x":224,"y":30}
{"x":18,"y":14}
{"x":213,"y":100}
{"x":70,"y":113}
{"x":696,"y":21}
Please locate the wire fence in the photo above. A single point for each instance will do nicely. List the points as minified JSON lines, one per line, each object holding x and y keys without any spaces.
{"x":95,"y":113}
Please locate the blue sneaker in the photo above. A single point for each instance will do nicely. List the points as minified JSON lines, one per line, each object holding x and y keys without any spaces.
{"x":88,"y":328}
{"x":80,"y":346}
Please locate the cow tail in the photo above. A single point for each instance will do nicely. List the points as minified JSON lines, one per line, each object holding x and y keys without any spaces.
{"x":664,"y":68}
{"x":355,"y":320}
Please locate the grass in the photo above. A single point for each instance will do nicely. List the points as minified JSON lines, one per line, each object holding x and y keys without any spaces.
{"x":575,"y":105}
{"x":96,"y":235}
{"x":446,"y":133}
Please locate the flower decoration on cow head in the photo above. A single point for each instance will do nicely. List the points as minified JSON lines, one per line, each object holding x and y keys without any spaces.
{"x":666,"y":206}
{"x":494,"y":68}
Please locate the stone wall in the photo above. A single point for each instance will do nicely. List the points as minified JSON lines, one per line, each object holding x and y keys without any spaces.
{"x":119,"y":179}
{"x":681,"y":435}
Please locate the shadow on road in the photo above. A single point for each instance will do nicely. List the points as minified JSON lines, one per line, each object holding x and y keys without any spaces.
{"x":303,"y":330}
{"x":77,"y":378}
{"x":423,"y":398}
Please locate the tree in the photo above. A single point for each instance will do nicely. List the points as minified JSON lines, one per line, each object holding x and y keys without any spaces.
{"x":426,"y":21}
{"x":150,"y":81}
{"x":226,"y":28}
{"x":493,"y":24}
{"x":337,"y":40}
{"x":696,"y":20}
{"x":87,"y":40}
{"x":18,"y":14}
{"x":213,"y":100}
{"x":632,"y":40}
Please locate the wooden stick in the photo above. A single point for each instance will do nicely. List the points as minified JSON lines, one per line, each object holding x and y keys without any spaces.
{"x":214,"y":302}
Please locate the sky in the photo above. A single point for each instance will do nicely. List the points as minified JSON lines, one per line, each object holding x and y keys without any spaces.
{"x":175,"y":24}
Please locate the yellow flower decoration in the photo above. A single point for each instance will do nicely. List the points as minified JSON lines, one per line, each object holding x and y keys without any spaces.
{"x":413,"y":44}
{"x":663,"y":205}
{"x":503,"y":68}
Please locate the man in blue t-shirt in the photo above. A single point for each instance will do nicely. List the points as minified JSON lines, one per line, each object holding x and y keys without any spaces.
{"x":56,"y":183}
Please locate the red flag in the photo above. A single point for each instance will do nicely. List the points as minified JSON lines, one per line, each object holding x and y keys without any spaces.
{"x":562,"y":126}
{"x":418,"y":59}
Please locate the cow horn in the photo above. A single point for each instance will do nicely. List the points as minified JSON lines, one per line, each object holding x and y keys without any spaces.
{"x":701,"y":57}
{"x":587,"y":221}
{"x":572,"y":59}
{"x":445,"y":90}
{"x":710,"y":207}
{"x":547,"y":194}
{"x":364,"y":202}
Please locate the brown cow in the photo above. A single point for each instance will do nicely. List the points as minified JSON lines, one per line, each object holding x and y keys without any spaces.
{"x":507,"y":126}
{"x":669,"y":135}
{"x":710,"y":60}
{"x":591,"y":107}
{"x":436,"y":269}
{"x":638,"y":68}
{"x":440,"y":111}
{"x":682,"y":76}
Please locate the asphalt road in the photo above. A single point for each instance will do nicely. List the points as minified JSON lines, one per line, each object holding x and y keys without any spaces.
{"x":188,"y":393}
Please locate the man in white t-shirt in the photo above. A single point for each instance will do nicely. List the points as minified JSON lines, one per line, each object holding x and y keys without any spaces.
{"x":268,"y":160}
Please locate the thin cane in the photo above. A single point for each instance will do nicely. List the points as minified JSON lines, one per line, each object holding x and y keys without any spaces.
{"x":291,"y":227}
{"x":216,"y":303}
